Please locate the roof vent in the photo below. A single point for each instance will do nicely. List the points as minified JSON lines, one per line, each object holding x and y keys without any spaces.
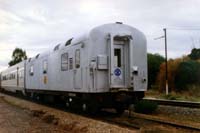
{"x":37,"y":56}
{"x":56,"y":47}
{"x":68,"y":42}
{"x":118,"y":22}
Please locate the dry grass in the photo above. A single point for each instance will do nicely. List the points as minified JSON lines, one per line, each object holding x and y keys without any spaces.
{"x":192,"y":94}
{"x":157,"y":129}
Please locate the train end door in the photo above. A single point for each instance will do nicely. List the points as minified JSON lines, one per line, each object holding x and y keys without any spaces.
{"x":118,"y":62}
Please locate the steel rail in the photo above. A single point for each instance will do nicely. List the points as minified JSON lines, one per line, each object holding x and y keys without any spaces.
{"x":175,"y":103}
{"x":183,"y":125}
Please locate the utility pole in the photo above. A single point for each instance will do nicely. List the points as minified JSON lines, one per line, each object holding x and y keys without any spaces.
{"x":166,"y":68}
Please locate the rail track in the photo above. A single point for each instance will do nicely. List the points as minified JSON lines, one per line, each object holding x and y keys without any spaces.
{"x":129,"y":119}
{"x":175,"y":103}
{"x":162,"y":121}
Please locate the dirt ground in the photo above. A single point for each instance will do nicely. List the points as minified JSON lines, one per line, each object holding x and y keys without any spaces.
{"x":21,"y":116}
{"x":17,"y":120}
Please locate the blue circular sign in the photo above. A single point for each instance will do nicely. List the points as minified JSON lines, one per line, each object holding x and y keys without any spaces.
{"x":117,"y":72}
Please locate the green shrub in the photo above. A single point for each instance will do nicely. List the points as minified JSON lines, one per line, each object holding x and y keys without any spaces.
{"x":145,"y":107}
{"x":188,"y":73}
{"x":154,"y":62}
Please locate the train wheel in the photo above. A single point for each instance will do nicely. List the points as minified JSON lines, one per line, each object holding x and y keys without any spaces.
{"x":120,"y":108}
{"x":68,"y":103}
{"x":90,"y":108}
{"x":94,"y":109}
{"x":85,"y":107}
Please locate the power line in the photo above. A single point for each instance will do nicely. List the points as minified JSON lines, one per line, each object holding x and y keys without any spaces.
{"x":184,"y":28}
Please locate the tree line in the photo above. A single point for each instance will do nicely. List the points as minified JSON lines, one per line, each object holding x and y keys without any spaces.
{"x":182,"y":72}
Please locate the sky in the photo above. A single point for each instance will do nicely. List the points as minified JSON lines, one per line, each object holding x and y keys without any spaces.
{"x":38,"y":25}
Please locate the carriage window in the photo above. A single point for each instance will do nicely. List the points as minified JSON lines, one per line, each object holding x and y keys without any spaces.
{"x":117,"y":57}
{"x":21,"y":73}
{"x":77,"y":58}
{"x":70,"y":63}
{"x":31,"y":71}
{"x":22,"y":76}
{"x":45,"y":67}
{"x":64,"y":62}
{"x":13,"y":76}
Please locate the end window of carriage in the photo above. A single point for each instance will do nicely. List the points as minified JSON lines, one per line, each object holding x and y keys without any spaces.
{"x":31,"y":71}
{"x":64,"y":62}
{"x":77,"y":58}
{"x":45,"y":67}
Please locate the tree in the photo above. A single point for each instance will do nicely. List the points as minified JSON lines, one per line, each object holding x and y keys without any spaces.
{"x":188,"y":73}
{"x":173,"y":65}
{"x":154,"y":62}
{"x":195,"y":54}
{"x":17,"y":56}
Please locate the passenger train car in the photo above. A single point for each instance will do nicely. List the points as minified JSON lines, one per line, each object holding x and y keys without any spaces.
{"x":106,"y":67}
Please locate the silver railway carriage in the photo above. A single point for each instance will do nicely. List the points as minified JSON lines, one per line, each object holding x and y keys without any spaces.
{"x":12,"y":79}
{"x":105,"y":68}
